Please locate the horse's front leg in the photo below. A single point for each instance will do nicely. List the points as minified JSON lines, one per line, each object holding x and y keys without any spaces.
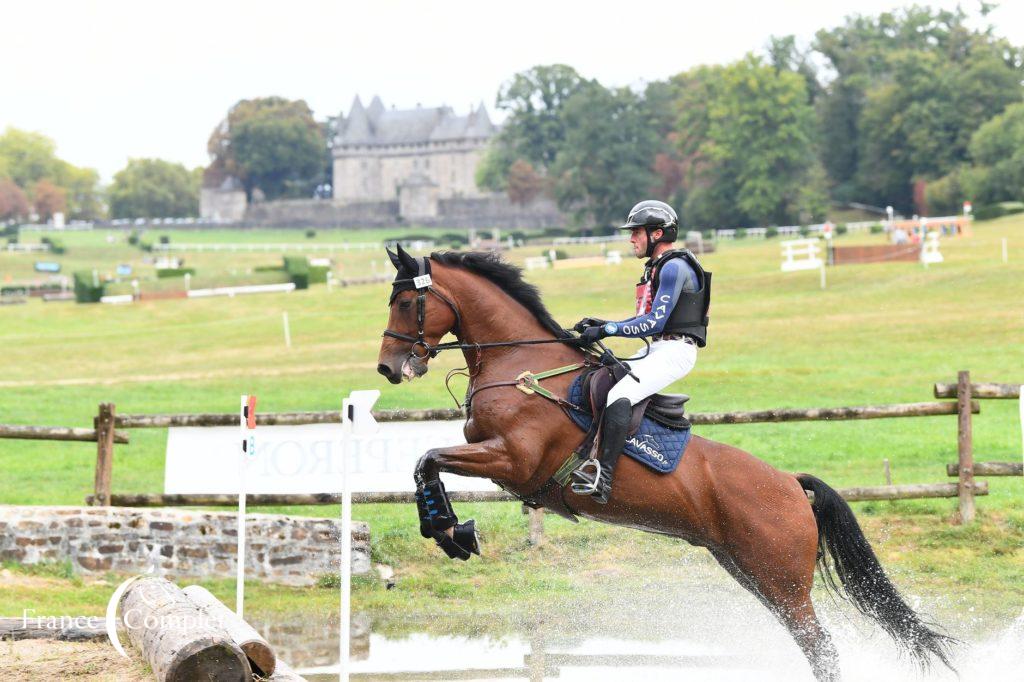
{"x":437,"y":518}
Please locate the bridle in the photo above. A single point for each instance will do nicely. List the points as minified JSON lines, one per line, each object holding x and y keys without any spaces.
{"x":422,"y":284}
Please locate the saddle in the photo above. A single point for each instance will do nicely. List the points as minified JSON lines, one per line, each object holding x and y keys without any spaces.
{"x":664,"y":408}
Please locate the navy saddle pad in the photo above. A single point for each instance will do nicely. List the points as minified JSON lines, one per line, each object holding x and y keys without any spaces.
{"x":659,"y":447}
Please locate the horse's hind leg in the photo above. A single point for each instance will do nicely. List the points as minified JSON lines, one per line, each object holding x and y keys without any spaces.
{"x":780,"y":573}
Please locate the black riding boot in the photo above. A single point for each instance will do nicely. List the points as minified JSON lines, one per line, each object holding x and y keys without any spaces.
{"x":614,"y":425}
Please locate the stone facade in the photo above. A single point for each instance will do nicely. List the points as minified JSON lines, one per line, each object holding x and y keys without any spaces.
{"x":179,"y":543}
{"x":223,"y":203}
{"x":377,"y":151}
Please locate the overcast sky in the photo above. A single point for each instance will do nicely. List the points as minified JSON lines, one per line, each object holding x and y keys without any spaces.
{"x":113,"y":79}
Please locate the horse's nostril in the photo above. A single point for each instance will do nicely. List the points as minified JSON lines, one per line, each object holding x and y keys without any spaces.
{"x":384,"y":369}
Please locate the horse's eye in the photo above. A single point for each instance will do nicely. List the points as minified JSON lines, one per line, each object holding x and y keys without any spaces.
{"x":404,"y":305}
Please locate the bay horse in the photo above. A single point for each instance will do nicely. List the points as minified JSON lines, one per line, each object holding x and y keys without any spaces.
{"x":755,"y":520}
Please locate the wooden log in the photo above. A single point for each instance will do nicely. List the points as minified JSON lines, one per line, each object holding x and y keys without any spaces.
{"x":827,"y":413}
{"x":143,"y":421}
{"x":260,"y":654}
{"x":983,"y":390}
{"x":910,"y":491}
{"x":104,"y":454}
{"x":62,"y":433}
{"x":163,"y":421}
{"x":965,"y":447}
{"x":284,"y":673}
{"x":885,"y":492}
{"x":291,"y":500}
{"x":990,"y":469}
{"x":180,"y":643}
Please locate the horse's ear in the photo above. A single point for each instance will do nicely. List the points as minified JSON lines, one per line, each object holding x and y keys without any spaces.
{"x":406,"y":260}
{"x":395,"y":260}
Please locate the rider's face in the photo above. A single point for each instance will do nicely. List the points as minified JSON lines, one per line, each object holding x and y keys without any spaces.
{"x":638,"y":238}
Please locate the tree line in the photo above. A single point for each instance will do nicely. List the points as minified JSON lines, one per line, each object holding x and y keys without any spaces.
{"x":919,"y":109}
{"x":914,"y":109}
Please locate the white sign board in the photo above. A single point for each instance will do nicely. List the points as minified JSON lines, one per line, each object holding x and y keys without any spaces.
{"x":308,"y":459}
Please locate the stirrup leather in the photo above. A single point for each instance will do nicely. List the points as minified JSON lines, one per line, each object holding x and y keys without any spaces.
{"x":587,"y":477}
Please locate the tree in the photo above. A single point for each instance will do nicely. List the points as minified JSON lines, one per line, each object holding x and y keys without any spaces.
{"x":749,"y":139}
{"x":910,"y":88}
{"x":997,"y":173}
{"x":605,"y":164}
{"x":13,"y":203}
{"x":27,"y":158}
{"x":270,"y":143}
{"x":48,"y":199}
{"x":154,"y":188}
{"x":524,"y":184}
{"x":536,"y":129}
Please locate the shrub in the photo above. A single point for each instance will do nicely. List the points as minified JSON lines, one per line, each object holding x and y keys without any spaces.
{"x":88,"y":286}
{"x":741,"y":233}
{"x":455,"y":239}
{"x":56,"y":247}
{"x":771,"y":232}
{"x":561,"y":255}
{"x":841,"y":229}
{"x":165,"y":239}
{"x":310,"y":234}
{"x":555,"y":232}
{"x":165,"y":273}
{"x":318,"y":274}
{"x":804,"y":231}
{"x":297,"y":268}
{"x":992,"y":211}
{"x":877,"y":228}
{"x":133,"y":237}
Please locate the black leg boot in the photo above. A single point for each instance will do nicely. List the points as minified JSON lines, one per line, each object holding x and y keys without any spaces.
{"x":614,"y":425}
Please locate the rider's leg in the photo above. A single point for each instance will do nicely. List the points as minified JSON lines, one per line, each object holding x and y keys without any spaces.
{"x":667,"y":362}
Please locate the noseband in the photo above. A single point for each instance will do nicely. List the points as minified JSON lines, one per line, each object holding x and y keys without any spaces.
{"x":422,"y":284}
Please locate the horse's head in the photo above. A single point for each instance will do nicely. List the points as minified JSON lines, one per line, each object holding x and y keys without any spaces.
{"x":420,"y":316}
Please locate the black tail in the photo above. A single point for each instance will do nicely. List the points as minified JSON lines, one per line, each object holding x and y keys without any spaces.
{"x":863,"y":580}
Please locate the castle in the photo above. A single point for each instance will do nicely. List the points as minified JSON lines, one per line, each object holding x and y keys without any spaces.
{"x":393,"y":167}
{"x":415,"y":156}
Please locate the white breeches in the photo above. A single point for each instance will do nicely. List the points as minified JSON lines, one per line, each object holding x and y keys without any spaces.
{"x":668,"y":361}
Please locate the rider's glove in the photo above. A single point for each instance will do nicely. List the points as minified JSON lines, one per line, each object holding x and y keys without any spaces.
{"x":587,"y":322}
{"x":591,"y":334}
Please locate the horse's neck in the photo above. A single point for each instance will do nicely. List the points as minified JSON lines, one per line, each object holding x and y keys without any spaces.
{"x":489,"y":315}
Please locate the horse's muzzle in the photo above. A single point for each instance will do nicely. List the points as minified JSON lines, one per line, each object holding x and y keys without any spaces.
{"x":389,"y":374}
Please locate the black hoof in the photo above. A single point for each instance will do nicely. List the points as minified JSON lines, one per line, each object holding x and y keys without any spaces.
{"x":464,"y":541}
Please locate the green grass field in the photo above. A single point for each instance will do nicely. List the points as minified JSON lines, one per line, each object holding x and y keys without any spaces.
{"x":878,"y":334}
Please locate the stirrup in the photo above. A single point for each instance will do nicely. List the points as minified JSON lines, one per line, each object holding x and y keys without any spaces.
{"x":584,"y":481}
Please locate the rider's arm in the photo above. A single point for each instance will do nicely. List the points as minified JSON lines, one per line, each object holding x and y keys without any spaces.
{"x":676,"y":276}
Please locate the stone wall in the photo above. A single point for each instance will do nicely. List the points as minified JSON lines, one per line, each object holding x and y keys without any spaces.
{"x":483,"y":212}
{"x":179,"y":543}
{"x":321,"y":213}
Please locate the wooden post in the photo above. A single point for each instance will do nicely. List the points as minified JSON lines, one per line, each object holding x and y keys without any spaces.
{"x":888,"y":471}
{"x":104,"y":455}
{"x":536,"y":526}
{"x":965,"y":448}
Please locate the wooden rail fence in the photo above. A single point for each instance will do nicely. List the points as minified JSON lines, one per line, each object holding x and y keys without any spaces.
{"x":965,"y":468}
{"x":110,"y":429}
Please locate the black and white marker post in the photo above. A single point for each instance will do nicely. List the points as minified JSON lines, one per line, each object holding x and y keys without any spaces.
{"x":356,"y":420}
{"x":247,"y":426}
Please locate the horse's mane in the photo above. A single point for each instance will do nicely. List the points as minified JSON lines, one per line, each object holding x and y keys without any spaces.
{"x":506,"y":277}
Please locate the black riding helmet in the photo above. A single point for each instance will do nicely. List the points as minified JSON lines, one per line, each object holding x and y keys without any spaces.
{"x":653,"y":215}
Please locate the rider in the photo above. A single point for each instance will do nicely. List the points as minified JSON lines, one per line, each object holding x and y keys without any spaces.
{"x":672,"y":300}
